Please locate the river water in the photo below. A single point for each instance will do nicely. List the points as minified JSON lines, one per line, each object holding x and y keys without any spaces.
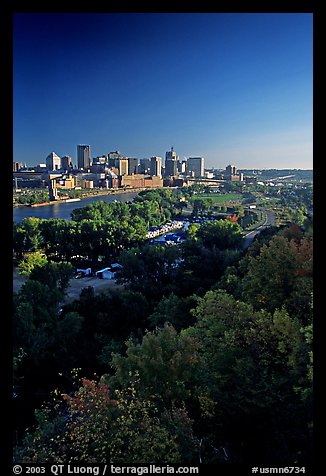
{"x":63,"y":210}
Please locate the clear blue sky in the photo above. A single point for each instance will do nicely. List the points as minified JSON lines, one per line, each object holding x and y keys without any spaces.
{"x":232,"y":88}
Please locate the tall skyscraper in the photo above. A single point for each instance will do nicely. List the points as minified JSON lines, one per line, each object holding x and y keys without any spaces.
{"x":230,"y":170}
{"x":17,"y":166}
{"x":171,"y":163}
{"x":83,"y":156}
{"x":156,"y":166}
{"x":66,"y":162}
{"x":182,"y":164}
{"x":114,"y":155}
{"x":132,"y":165}
{"x":53,"y":162}
{"x":171,"y":155}
{"x":144,"y":166}
{"x":123,"y":166}
{"x":195,"y":166}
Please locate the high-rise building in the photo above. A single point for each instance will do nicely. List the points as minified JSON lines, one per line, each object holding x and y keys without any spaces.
{"x":182,"y":166}
{"x":144,"y":166}
{"x":132,"y":165}
{"x":171,"y":163}
{"x":17,"y":166}
{"x":100,"y":159}
{"x":113,"y":159}
{"x":171,"y":168}
{"x":66,"y":162}
{"x":195,"y":166}
{"x":156,"y":166}
{"x":171,"y":155}
{"x":114,"y":155}
{"x":230,"y":170}
{"x":83,"y":156}
{"x":123,"y":166}
{"x":53,"y":162}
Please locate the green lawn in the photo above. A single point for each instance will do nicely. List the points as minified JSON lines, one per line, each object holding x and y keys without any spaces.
{"x":220,"y":199}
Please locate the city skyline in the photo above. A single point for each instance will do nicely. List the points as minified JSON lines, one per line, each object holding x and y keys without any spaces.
{"x":232,"y":88}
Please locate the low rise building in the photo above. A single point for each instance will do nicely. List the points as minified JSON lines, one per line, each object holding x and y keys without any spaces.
{"x":140,"y":181}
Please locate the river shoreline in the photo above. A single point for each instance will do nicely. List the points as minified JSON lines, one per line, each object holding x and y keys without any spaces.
{"x":98,"y":193}
{"x":63,"y":209}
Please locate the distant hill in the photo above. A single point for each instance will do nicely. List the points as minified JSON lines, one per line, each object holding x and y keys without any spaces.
{"x":292,"y":175}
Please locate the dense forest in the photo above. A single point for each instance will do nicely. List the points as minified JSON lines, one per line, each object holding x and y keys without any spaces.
{"x":203,"y":356}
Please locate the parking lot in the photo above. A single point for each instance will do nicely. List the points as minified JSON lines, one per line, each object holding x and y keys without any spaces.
{"x":75,"y":285}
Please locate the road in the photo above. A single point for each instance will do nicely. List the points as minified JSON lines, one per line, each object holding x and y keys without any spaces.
{"x":269,"y":221}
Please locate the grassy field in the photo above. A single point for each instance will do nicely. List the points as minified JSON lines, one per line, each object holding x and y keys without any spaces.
{"x":220,"y":199}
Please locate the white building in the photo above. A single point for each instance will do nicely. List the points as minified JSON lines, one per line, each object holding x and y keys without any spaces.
{"x":53,"y":162}
{"x":105,"y":273}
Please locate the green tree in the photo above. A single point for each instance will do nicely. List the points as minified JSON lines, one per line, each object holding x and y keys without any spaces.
{"x":92,"y":427}
{"x":35,"y":315}
{"x":60,"y":237}
{"x":270,"y":275}
{"x":202,"y":205}
{"x":47,"y":337}
{"x":222,"y":234}
{"x":280,"y":273}
{"x":109,"y":319}
{"x":250,"y":363}
{"x":52,"y":274}
{"x":19,"y":239}
{"x":208,"y":250}
{"x":165,"y":361}
{"x":32,"y":260}
{"x":151,"y":269}
{"x":32,"y":234}
{"x":68,"y":329}
{"x":175,"y":311}
{"x":140,"y":436}
{"x":181,"y":204}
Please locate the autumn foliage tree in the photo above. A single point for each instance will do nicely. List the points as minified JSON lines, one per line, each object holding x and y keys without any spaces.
{"x":250,"y":365}
{"x":90,"y":426}
{"x":281,"y":273}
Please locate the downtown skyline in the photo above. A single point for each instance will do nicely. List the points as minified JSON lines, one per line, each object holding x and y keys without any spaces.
{"x":232,"y":88}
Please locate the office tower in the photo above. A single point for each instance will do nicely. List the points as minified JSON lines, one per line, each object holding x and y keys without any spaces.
{"x":66,"y":162}
{"x":195,"y":166}
{"x":144,"y":166}
{"x":100,"y":159}
{"x":113,"y":159}
{"x":83,"y":156}
{"x":171,"y":155}
{"x":53,"y":162}
{"x":132,"y":165}
{"x":171,"y":168}
{"x":156,"y":166}
{"x":171,"y":163}
{"x":114,"y":155}
{"x":17,"y":166}
{"x":230,"y":170}
{"x":182,"y":166}
{"x":123,"y":166}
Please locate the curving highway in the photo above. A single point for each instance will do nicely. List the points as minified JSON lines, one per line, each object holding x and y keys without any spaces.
{"x":269,"y":221}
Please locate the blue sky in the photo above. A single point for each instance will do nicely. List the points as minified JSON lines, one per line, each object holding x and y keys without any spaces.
{"x":232,"y":87}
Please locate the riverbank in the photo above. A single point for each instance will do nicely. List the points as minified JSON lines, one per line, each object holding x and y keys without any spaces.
{"x":95,"y":193}
{"x":63,"y":209}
